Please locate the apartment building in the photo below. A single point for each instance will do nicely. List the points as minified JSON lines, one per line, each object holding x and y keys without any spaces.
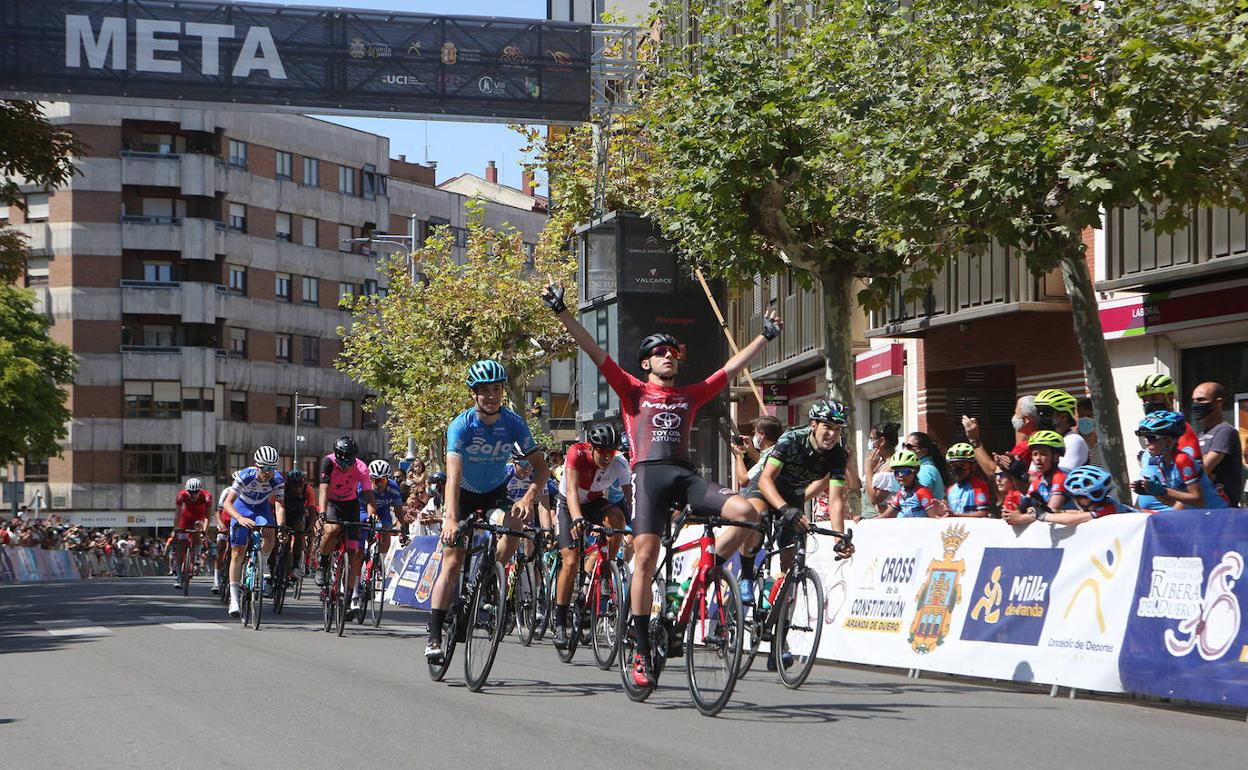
{"x":195,"y":267}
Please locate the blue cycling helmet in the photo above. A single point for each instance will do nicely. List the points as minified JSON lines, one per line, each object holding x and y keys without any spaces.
{"x":1089,"y":481}
{"x":485,"y":371}
{"x":1163,"y":423}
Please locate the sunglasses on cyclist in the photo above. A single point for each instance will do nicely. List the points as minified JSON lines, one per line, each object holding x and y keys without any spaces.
{"x":662,"y":351}
{"x":903,"y":471}
{"x":1150,"y":437}
{"x":522,"y":463}
{"x":267,"y":468}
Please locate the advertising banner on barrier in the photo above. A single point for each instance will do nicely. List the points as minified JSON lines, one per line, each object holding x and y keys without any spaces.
{"x":1185,"y":638}
{"x":34,"y":564}
{"x":1045,"y":604}
{"x":415,"y":569}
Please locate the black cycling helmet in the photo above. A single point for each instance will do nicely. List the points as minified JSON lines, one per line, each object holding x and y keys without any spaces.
{"x":437,"y":476}
{"x":345,"y":450}
{"x":653,"y":341}
{"x":604,"y":436}
{"x":294,"y":475}
{"x":519,"y":454}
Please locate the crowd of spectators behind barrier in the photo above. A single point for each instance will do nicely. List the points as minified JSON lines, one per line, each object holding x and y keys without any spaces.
{"x":54,"y":534}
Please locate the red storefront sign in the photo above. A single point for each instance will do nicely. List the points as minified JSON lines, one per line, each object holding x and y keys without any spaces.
{"x":879,"y":363}
{"x":1165,"y":311}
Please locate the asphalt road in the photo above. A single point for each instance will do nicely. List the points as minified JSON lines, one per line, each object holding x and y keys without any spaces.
{"x":129,"y":673}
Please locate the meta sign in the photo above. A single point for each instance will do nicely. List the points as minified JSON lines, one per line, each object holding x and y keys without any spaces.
{"x":296,"y":59}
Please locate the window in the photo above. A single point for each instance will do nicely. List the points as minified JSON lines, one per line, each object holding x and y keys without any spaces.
{"x":238,"y":154}
{"x":311,"y":290}
{"x":197,"y":399}
{"x":150,"y":462}
{"x":237,"y":461}
{"x":370,"y":287}
{"x":283,"y":347}
{"x":461,"y":236}
{"x":161,"y":143}
{"x":530,"y":253}
{"x":346,"y":292}
{"x":285,"y":165}
{"x":36,"y":271}
{"x":158,"y":335}
{"x":36,"y":469}
{"x":156,"y":399}
{"x":36,"y":207}
{"x":282,"y":227}
{"x":368,"y":418}
{"x":311,"y":351}
{"x":238,"y":341}
{"x":371,"y":181}
{"x":200,"y":464}
{"x":346,"y":180}
{"x":161,"y":272}
{"x":238,"y":280}
{"x":281,"y":287}
{"x":346,"y":414}
{"x":310,"y":416}
{"x":309,"y":232}
{"x":344,"y":237}
{"x":237,"y":411}
{"x":311,"y":172}
{"x":238,"y":217}
{"x":158,"y":208}
{"x":284,"y":411}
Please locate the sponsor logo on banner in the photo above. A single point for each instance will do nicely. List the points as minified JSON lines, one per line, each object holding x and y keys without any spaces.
{"x":361,"y":50}
{"x":1208,"y":621}
{"x":450,"y":54}
{"x":940,"y":593}
{"x":1087,"y":600}
{"x":1012,"y":593}
{"x":879,"y":602}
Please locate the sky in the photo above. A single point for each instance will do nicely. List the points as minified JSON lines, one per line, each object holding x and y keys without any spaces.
{"x":457,"y":147}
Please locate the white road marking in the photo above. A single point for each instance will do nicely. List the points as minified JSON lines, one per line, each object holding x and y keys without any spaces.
{"x":182,"y":623}
{"x":73,"y":627}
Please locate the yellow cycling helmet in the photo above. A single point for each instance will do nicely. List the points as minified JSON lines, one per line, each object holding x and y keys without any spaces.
{"x":904,"y":459}
{"x":1156,"y":385}
{"x":1058,"y":401}
{"x":960,"y":451}
{"x":1050,"y":438}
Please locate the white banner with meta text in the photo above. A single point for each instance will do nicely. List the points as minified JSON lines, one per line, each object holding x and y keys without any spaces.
{"x":977,"y":597}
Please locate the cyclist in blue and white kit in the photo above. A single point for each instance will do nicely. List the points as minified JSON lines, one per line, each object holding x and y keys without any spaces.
{"x":387,"y":498}
{"x":250,"y":502}
{"x":519,"y":476}
{"x":478,"y":447}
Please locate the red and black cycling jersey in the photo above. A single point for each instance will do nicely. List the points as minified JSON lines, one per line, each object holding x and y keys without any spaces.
{"x":658,"y":418}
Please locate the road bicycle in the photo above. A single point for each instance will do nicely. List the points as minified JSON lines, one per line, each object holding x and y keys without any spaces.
{"x":252,"y":596}
{"x":373,"y":579}
{"x":280,"y":580}
{"x":184,"y":540}
{"x":477,"y":615}
{"x":787,"y":612}
{"x":599,"y":597}
{"x":335,"y":594}
{"x":526,"y":585}
{"x":708,"y":617}
{"x":309,"y":557}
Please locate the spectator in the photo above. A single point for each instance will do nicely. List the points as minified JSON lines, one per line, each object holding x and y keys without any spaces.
{"x":1057,"y":410}
{"x":882,"y":443}
{"x":1087,"y":428}
{"x":933,"y":472}
{"x":968,"y":495}
{"x":1009,"y":490}
{"x":417,"y":478}
{"x":1171,"y":478}
{"x":1220,"y":447}
{"x":1157,"y":393}
{"x":754,"y":450}
{"x":1048,"y":480}
{"x":554,"y":461}
{"x":913,"y":500}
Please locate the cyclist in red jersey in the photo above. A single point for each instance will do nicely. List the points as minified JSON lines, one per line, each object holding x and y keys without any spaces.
{"x":191,"y":514}
{"x":1158,"y":393}
{"x":657,"y":417}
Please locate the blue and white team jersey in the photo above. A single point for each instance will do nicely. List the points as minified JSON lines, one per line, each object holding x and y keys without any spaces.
{"x":516,"y":486}
{"x":486,"y":449}
{"x":254,"y":492}
{"x":385,"y":501}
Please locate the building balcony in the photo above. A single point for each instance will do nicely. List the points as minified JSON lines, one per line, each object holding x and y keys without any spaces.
{"x":194,"y":302}
{"x":191,"y":173}
{"x":194,"y":366}
{"x":38,"y":238}
{"x":802,"y":342}
{"x":970,"y":288}
{"x":1135,"y":255}
{"x":193,"y":238}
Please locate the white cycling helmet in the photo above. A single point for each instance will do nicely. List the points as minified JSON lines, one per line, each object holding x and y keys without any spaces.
{"x":266,"y":455}
{"x":379,"y":469}
{"x":194,"y":485}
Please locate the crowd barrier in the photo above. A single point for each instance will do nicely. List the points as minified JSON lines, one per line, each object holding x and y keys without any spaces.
{"x":22,"y":565}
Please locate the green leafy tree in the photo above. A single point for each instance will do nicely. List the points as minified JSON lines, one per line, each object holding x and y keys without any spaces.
{"x":413,"y":345}
{"x":33,"y":368}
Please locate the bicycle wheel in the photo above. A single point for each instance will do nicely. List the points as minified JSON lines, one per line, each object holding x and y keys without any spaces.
{"x":485,"y":624}
{"x":378,"y":597}
{"x":546,"y":605}
{"x":525,"y":600}
{"x":365,"y":587}
{"x":659,"y":629}
{"x":188,"y":564}
{"x":329,"y":602}
{"x":799,"y":627}
{"x":257,"y":594}
{"x":576,"y":612}
{"x":608,"y":623}
{"x":244,"y":596}
{"x":341,"y":599}
{"x":450,"y":639}
{"x":713,"y":645}
{"x":755,"y":620}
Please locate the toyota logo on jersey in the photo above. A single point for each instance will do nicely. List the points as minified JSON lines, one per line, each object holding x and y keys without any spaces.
{"x":666,"y":420}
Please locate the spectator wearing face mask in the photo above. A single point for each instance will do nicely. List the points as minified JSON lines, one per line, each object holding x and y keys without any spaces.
{"x":754,"y":450}
{"x":1220,"y":448}
{"x":882,"y":485}
{"x":1057,"y":410}
{"x":1157,"y":393}
{"x":1087,"y":428}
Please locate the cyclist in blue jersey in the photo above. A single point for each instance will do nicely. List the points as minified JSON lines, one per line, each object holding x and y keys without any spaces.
{"x":478,"y":447}
{"x":387,"y":498}
{"x":254,"y":500}
{"x":519,"y":475}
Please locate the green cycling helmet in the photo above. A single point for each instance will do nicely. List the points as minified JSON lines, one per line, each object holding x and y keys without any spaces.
{"x":904,"y":459}
{"x":959,"y":452}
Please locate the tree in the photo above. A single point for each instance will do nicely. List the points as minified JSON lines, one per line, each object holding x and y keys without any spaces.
{"x":1063,"y":110}
{"x":33,"y":368}
{"x":414,"y":344}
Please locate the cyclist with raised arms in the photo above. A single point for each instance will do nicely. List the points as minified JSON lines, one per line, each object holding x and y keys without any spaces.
{"x":344,"y":480}
{"x":590,"y":468}
{"x":191,"y":515}
{"x":254,"y":500}
{"x":479,"y":443}
{"x":658,"y":416}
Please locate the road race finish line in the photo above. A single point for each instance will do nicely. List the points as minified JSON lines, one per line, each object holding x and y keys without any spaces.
{"x":73,"y":627}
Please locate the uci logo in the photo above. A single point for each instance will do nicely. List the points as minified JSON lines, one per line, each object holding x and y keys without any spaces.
{"x":479,"y":447}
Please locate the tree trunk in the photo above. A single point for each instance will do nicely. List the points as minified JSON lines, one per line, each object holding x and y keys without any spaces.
{"x":1091,"y":339}
{"x":835,"y":284}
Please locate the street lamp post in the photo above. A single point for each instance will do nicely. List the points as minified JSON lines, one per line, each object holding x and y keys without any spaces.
{"x":295,"y":417}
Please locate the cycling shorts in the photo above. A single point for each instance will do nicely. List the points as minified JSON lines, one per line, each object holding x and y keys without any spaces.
{"x":471,"y":502}
{"x":187,"y":520}
{"x":339,"y":511}
{"x":658,"y":487}
{"x":594,"y":511}
{"x":787,"y":535}
{"x":261,"y":514}
{"x":385,"y":519}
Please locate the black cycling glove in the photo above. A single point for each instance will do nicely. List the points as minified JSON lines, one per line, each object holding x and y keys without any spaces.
{"x":771,"y":329}
{"x":553,"y":297}
{"x":790,"y":514}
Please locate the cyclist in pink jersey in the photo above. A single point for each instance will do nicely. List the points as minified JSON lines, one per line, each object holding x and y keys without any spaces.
{"x":658,"y":416}
{"x":342,"y":474}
